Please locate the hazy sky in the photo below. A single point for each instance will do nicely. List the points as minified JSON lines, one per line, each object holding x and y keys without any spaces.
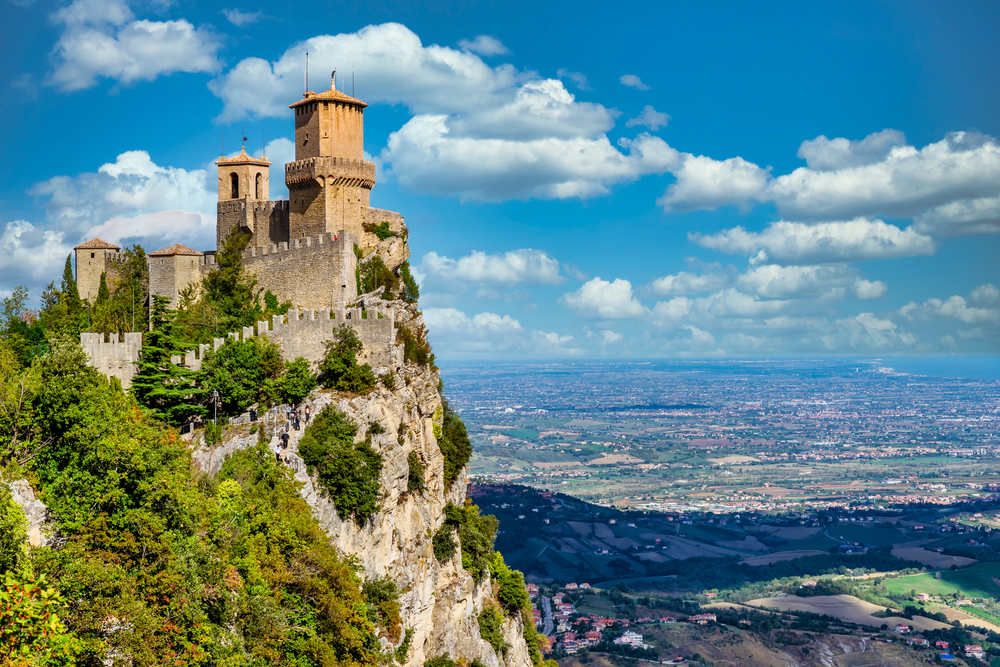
{"x":579,"y":179}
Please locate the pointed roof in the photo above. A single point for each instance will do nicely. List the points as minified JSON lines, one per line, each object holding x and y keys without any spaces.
{"x":98,"y":244}
{"x":332,"y":95}
{"x":175,"y":249}
{"x":243,"y":158}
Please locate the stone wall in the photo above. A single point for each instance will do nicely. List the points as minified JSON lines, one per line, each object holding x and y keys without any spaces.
{"x":267,"y":221}
{"x":89,"y":270}
{"x":114,"y":358}
{"x":312,"y":272}
{"x":328,"y":193}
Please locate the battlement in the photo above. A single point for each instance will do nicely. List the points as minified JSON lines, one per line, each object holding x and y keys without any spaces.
{"x":298,"y":334}
{"x":113,"y":358}
{"x":319,"y":171}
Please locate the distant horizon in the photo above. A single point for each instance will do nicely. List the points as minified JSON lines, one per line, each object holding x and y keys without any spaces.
{"x":953,"y":366}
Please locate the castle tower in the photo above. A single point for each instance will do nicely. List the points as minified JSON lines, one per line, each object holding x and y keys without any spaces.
{"x":93,"y":259}
{"x":330,"y":182}
{"x":172,"y":270}
{"x":243,"y":182}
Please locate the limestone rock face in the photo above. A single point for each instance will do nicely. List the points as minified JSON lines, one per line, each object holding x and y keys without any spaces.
{"x":35,"y":511}
{"x":441,"y":602}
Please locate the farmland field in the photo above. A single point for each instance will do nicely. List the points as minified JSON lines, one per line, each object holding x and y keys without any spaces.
{"x":976,"y":581}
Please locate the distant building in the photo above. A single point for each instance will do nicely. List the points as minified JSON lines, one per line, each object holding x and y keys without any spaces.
{"x":923,"y":597}
{"x":702,"y":619}
{"x":584,"y":585}
{"x":668,"y":619}
{"x":903,"y":628}
{"x":941,"y":645}
{"x":630,"y":639}
{"x":571,"y":586}
{"x":593,"y":636}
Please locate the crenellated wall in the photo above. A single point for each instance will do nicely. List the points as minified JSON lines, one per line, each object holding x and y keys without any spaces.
{"x":298,"y":333}
{"x":266,"y":220}
{"x":114,"y":358}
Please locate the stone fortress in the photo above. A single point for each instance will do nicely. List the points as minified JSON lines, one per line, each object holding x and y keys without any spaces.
{"x":302,"y":249}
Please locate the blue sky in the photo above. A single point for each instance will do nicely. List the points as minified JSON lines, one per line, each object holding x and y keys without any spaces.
{"x":580,"y":179}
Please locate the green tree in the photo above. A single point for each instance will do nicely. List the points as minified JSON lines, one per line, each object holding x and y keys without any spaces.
{"x":340,"y":369}
{"x":230,"y":288}
{"x":63,"y":312}
{"x":18,"y":386}
{"x":13,"y":534}
{"x":129,"y":289}
{"x":411,"y":291}
{"x":374,"y":274}
{"x":476,"y":533}
{"x":453,"y":441}
{"x":244,"y":373}
{"x":349,"y":472}
{"x":170,"y":391}
{"x":297,"y":381}
{"x":32,"y":631}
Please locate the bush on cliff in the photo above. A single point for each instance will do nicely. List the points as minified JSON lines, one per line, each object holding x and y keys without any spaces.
{"x":410,"y":291}
{"x":491,"y":629}
{"x":244,"y":373}
{"x":453,"y":441}
{"x":382,"y":597}
{"x":476,"y":533}
{"x":374,"y":274}
{"x":340,"y":369}
{"x":513,"y":597}
{"x":348,"y":471}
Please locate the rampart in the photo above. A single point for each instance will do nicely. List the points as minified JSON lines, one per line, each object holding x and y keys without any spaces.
{"x":299,"y":334}
{"x":114,"y":358}
{"x":314,"y":171}
{"x":314,"y":272}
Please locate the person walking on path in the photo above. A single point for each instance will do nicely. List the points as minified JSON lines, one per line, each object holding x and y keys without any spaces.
{"x":308,"y":412}
{"x":284,"y":440}
{"x":277,"y":452}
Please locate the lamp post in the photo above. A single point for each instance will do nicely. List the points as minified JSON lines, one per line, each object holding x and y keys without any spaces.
{"x":215,"y":401}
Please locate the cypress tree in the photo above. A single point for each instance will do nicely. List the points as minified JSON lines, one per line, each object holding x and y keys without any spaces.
{"x":168,"y":390}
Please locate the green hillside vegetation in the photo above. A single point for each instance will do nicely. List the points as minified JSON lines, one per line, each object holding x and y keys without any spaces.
{"x":980,"y":580}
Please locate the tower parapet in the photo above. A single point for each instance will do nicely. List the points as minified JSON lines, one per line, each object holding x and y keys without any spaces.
{"x":93,"y":258}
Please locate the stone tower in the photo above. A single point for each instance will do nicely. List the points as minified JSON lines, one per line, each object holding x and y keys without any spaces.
{"x":330,"y":183}
{"x":92,"y":259}
{"x":244,"y":194}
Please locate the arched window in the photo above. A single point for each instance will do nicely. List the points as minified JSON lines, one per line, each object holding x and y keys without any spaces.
{"x":235,"y":180}
{"x":260,"y":186}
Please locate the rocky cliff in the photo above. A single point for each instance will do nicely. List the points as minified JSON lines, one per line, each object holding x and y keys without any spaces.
{"x":440,"y":601}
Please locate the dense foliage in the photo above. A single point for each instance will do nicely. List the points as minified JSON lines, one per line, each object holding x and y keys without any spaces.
{"x":513,"y":597}
{"x":415,"y":476}
{"x":32,"y":631}
{"x":410,"y":290}
{"x":169,"y":390}
{"x":416,"y":349}
{"x":453,"y":440}
{"x":159,"y":563}
{"x":381,"y":230}
{"x":348,"y":471}
{"x":13,"y":535}
{"x":476,"y":533}
{"x":340,"y":369}
{"x":491,"y":629}
{"x":244,"y":373}
{"x":374,"y":274}
{"x":382,"y":597}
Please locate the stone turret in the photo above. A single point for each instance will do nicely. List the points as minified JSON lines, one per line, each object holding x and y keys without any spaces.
{"x":244,"y":184}
{"x":330,"y":182}
{"x":92,"y":259}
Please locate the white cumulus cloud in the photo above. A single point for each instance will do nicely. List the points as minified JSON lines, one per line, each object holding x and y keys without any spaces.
{"x":600,"y":299}
{"x":102,"y":38}
{"x":686,"y":282}
{"x":704,"y":183}
{"x":516,"y":267}
{"x":824,"y":154}
{"x":478,"y":132}
{"x":786,"y":242}
{"x":771,"y":281}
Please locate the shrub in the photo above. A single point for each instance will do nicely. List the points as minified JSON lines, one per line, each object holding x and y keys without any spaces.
{"x":440,"y":661}
{"x":476,"y":534}
{"x":340,"y":368}
{"x":444,"y":542}
{"x":415,"y":479}
{"x":381,"y":230}
{"x":13,"y":535}
{"x":454,"y":443}
{"x":382,"y":596}
{"x":403,"y":649}
{"x":348,"y":471}
{"x":511,"y":592}
{"x":410,"y":291}
{"x":243,"y":372}
{"x":416,"y":349}
{"x":491,"y":629}
{"x":297,"y":381}
{"x":374,"y":274}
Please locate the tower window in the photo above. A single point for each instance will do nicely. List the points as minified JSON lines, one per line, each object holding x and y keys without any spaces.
{"x":92,"y":255}
{"x":260,"y":186}
{"x":235,"y":181}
